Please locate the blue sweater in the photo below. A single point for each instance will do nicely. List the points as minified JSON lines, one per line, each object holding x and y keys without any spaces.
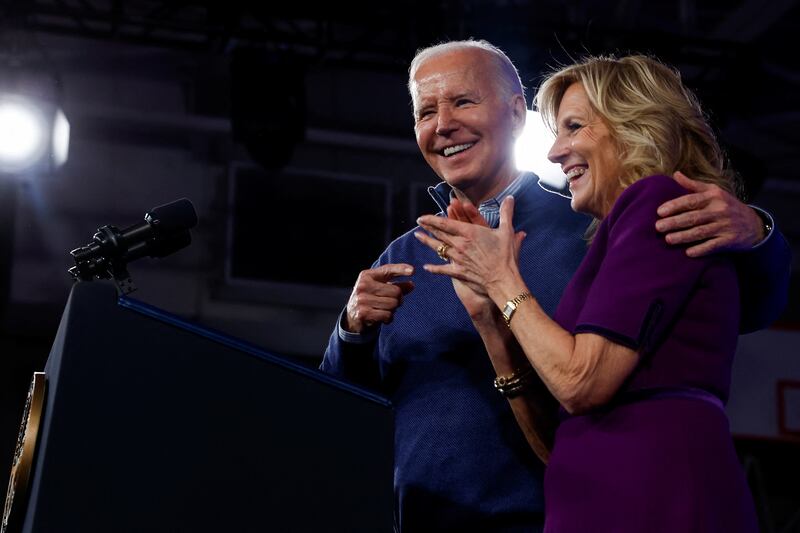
{"x":461,"y":462}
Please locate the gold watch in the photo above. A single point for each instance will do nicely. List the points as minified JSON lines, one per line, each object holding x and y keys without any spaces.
{"x":511,"y":307}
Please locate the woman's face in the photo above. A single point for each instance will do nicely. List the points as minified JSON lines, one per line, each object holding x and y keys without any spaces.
{"x":587,"y":154}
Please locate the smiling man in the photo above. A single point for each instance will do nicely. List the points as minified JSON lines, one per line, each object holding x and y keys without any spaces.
{"x":465,"y":126}
{"x":461,"y":461}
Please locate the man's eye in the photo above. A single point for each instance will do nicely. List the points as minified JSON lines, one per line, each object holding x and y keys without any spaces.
{"x":425,"y":113}
{"x":463,"y":101}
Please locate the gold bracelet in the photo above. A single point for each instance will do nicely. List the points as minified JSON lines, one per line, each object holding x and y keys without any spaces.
{"x":513,"y":385}
{"x":511,"y":307}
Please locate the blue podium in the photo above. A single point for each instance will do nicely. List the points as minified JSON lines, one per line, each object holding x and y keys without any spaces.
{"x":154,"y":424}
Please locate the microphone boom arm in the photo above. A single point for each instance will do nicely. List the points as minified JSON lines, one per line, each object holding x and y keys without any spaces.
{"x":165,"y":230}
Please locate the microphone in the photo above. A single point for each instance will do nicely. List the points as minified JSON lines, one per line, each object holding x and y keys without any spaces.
{"x":165,"y":230}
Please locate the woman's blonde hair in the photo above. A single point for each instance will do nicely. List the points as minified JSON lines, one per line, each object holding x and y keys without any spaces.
{"x":656,"y":122}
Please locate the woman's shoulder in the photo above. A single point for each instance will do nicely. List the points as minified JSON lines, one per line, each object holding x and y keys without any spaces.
{"x":646,"y":194}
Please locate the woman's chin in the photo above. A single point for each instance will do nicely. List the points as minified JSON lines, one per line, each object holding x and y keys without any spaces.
{"x":577,"y":205}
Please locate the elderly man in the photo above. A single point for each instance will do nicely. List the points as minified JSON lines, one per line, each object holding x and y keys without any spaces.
{"x":461,"y":461}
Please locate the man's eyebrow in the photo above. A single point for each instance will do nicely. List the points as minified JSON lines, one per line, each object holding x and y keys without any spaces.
{"x":463,"y":94}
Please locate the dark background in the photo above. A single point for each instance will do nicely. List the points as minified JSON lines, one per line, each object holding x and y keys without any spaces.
{"x":289,"y":127}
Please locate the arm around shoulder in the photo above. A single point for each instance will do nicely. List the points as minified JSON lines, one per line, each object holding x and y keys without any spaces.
{"x":763,"y":273}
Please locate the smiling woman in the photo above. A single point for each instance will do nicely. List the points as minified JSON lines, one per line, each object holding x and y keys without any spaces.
{"x":588,"y":154}
{"x":655,"y":122}
{"x":639,"y":351}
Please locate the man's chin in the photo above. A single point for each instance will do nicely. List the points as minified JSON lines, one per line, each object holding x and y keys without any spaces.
{"x":462,"y":183}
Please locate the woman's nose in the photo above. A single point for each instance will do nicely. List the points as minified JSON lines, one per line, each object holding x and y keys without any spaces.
{"x":559,"y":150}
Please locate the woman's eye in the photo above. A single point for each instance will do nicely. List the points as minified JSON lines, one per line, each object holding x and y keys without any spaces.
{"x":573,"y":126}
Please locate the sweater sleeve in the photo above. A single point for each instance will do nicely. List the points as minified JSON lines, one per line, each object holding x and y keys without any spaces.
{"x":353,"y":361}
{"x":764,"y":281}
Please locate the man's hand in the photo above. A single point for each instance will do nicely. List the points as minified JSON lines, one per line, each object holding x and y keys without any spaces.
{"x":710,"y":217}
{"x":375,"y":296}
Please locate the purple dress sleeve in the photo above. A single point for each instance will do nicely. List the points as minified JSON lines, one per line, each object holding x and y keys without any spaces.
{"x":636,"y":284}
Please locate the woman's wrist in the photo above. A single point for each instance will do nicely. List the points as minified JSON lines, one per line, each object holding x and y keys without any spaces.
{"x":506,"y":288}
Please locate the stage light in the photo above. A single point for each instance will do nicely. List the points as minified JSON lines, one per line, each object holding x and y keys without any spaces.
{"x":531,"y":150}
{"x":33,"y":135}
{"x":60,"y":144}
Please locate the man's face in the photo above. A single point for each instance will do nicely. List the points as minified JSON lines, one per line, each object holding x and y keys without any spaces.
{"x":465,"y":123}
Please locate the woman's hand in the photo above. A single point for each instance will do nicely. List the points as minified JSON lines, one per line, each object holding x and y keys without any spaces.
{"x":474,"y":299}
{"x":482,"y":258}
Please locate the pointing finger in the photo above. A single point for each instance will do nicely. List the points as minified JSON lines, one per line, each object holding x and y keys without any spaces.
{"x":391,"y":270}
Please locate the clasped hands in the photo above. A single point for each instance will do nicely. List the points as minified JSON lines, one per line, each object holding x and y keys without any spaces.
{"x":706,"y":220}
{"x":481,"y":259}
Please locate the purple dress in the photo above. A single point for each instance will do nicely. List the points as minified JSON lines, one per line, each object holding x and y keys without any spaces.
{"x":659,"y":457}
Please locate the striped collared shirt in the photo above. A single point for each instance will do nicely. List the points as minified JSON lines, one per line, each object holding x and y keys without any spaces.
{"x":489,"y":209}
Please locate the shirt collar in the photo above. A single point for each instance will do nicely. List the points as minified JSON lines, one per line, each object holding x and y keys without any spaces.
{"x":489,"y":209}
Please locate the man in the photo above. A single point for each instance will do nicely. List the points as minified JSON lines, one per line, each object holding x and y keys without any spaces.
{"x":461,"y":462}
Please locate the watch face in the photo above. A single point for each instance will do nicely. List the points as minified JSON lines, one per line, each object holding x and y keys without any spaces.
{"x":16,"y":497}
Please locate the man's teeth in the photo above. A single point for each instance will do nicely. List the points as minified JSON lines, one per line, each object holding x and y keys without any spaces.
{"x":575,"y":173}
{"x":450,"y":150}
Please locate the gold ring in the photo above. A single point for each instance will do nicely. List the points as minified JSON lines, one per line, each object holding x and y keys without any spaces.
{"x":441,"y":251}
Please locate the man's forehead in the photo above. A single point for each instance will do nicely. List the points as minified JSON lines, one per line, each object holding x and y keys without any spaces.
{"x":454,"y":63}
{"x":444,"y":79}
{"x":445,"y":74}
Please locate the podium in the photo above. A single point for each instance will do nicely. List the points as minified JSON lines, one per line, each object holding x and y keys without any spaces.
{"x":154,"y":424}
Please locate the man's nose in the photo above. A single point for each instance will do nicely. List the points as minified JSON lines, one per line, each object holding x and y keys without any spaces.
{"x":559,"y":151}
{"x":445,"y":121}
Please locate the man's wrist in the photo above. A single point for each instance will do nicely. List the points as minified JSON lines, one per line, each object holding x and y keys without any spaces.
{"x":767,"y":225}
{"x":365,"y":336}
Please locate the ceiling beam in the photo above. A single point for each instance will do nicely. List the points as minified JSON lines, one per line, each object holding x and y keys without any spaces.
{"x":752,"y":19}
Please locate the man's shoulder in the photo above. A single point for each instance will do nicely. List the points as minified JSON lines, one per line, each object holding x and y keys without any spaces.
{"x":542,"y":207}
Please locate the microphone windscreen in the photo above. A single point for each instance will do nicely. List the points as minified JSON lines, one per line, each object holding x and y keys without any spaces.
{"x":174,"y":216}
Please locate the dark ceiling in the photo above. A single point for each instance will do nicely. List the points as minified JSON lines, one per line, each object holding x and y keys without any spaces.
{"x":738,"y":55}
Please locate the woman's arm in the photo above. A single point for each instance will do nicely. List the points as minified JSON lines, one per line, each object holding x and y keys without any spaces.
{"x":535,"y":409}
{"x":582,"y":371}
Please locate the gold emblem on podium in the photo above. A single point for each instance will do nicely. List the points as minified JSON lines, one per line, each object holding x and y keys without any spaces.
{"x":17,"y":495}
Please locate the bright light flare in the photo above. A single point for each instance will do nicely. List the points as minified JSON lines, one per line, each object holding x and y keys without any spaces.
{"x":60,"y":139}
{"x":23,"y":134}
{"x":531,"y":151}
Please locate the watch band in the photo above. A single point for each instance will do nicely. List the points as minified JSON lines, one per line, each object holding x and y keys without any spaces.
{"x":511,"y":307}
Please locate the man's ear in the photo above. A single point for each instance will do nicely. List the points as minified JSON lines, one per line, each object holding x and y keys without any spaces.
{"x":519,"y":113}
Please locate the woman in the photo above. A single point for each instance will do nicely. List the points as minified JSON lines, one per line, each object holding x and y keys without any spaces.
{"x":640,"y":349}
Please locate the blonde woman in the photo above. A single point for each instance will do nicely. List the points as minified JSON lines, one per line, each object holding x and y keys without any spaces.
{"x":639,"y":352}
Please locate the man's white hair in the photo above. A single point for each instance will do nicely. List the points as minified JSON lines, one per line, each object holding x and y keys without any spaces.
{"x":508,"y":79}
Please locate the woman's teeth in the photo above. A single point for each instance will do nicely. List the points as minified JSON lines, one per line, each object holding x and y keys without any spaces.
{"x":575,"y":173}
